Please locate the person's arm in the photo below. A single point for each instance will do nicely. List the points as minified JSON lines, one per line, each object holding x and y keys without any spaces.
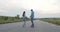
{"x":31,"y":15}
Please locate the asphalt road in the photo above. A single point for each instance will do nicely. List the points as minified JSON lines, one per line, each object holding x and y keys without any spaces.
{"x":40,"y":26}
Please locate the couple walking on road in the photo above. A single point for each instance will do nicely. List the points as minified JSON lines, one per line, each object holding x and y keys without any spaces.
{"x":31,"y":17}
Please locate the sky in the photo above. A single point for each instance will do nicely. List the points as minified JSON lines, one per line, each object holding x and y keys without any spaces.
{"x":42,"y":8}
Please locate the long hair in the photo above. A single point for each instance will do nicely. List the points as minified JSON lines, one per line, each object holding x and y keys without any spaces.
{"x":23,"y":13}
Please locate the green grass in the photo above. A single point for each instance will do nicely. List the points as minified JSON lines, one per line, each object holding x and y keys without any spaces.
{"x":10,"y":21}
{"x":5,"y":19}
{"x":52,"y":20}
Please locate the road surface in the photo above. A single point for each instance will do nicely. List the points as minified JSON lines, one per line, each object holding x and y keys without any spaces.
{"x":40,"y":26}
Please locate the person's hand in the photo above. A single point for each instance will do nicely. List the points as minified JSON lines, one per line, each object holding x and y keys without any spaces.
{"x":30,"y":16}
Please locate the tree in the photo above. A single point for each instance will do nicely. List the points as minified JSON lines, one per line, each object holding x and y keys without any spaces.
{"x":17,"y":16}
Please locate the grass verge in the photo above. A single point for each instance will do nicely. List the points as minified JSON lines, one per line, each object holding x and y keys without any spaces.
{"x":52,"y":20}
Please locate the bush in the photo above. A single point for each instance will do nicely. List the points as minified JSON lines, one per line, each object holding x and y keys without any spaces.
{"x":6,"y":18}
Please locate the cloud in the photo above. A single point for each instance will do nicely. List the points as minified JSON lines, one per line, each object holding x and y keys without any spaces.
{"x":50,"y":12}
{"x":3,"y":11}
{"x":41,"y":7}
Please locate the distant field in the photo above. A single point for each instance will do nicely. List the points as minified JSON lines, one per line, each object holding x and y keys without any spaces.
{"x":6,"y":19}
{"x":52,"y":20}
